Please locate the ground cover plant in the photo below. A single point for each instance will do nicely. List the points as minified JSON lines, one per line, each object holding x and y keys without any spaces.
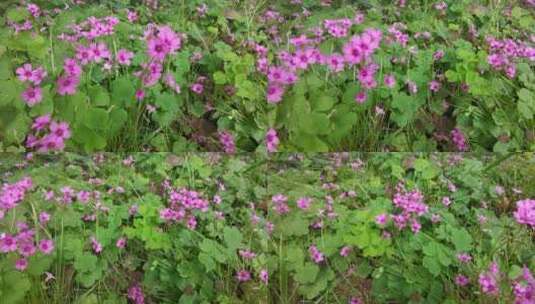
{"x":401,"y":228}
{"x":308,"y":75}
{"x":149,"y":228}
{"x":292,"y":228}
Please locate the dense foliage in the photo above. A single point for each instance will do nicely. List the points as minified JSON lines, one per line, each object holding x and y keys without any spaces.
{"x":302,"y":75}
{"x":207,"y":228}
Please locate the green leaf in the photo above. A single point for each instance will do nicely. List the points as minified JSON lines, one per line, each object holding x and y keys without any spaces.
{"x":96,"y":119}
{"x":426,"y":168}
{"x":122,"y":92}
{"x":461,"y":239}
{"x":207,"y":261}
{"x":85,"y":262}
{"x":294,"y":225}
{"x":310,"y":143}
{"x":117,"y":120}
{"x":315,"y":123}
{"x":405,"y":108}
{"x":14,"y":286}
{"x":307,"y":273}
{"x":220,"y":78}
{"x":99,"y":96}
{"x":432,"y":265}
{"x":323,"y":103}
{"x":232,"y":237}
{"x":526,"y":103}
{"x":89,"y":139}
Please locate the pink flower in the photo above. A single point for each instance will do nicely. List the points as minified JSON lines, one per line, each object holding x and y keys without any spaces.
{"x":335,"y":62}
{"x":157,"y":49}
{"x":315,"y":254}
{"x":304,"y":202}
{"x":67,"y":85}
{"x":345,"y":251}
{"x":227,"y":141}
{"x":71,"y":68}
{"x":41,"y":122}
{"x":434,"y":86}
{"x":124,"y":57}
{"x":25,"y":73}
{"x":97,"y":246}
{"x":525,"y":212}
{"x":274,"y":93}
{"x":272,"y":141}
{"x":132,"y":16}
{"x":60,"y":129}
{"x":135,"y":293}
{"x":390,"y":81}
{"x":243,"y":275}
{"x":458,"y":138}
{"x":32,"y":96}
{"x":121,"y":243}
{"x":353,"y":54}
{"x":21,"y":264}
{"x":140,"y":95}
{"x":46,"y":246}
{"x":381,"y":219}
{"x":197,"y":88}
{"x":84,"y":54}
{"x":464,"y":257}
{"x":488,"y":282}
{"x":7,"y":243}
{"x":99,"y":51}
{"x":446,"y":201}
{"x":461,"y":280}
{"x":361,"y":97}
{"x":44,"y":217}
{"x":26,"y":249}
{"x":264,"y":277}
{"x":38,"y":75}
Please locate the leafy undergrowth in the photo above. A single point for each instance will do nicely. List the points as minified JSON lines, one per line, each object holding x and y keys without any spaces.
{"x":170,"y":229}
{"x":399,"y":228}
{"x":294,"y":228}
{"x":221,"y":75}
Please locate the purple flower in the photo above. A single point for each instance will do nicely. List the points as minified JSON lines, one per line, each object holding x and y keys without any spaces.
{"x":46,"y":246}
{"x":525,"y":212}
{"x":304,"y":202}
{"x":264,"y":276}
{"x":274,"y":93}
{"x":21,"y":264}
{"x":243,"y":275}
{"x":461,"y":280}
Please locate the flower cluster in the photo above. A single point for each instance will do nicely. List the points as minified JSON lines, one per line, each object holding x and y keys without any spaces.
{"x":488,"y":280}
{"x":24,"y":243}
{"x":227,"y":141}
{"x":504,"y":54}
{"x":181,"y":204}
{"x":338,"y":28}
{"x":412,"y":207}
{"x":459,"y":140}
{"x":12,"y":194}
{"x":280,"y":204}
{"x":26,"y":73}
{"x":135,"y":293}
{"x":316,"y":255}
{"x":359,"y":49}
{"x":272,"y":140}
{"x":161,"y":41}
{"x":91,"y":28}
{"x":49,"y":135}
{"x":524,"y":288}
{"x":525,"y":212}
